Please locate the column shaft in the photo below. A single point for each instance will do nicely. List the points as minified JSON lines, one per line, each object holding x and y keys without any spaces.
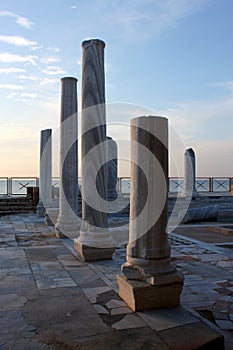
{"x":149,"y":278}
{"x":94,"y":242}
{"x":67,"y":222}
{"x":45,"y":182}
{"x":189,"y":173}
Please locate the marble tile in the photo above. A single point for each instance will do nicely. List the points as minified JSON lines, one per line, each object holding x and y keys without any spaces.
{"x":162,"y":319}
{"x":129,"y":321}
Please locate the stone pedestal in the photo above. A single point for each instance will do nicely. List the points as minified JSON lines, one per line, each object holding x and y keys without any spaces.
{"x":94,"y":242}
{"x":190,"y":173}
{"x":149,"y":278}
{"x":68,"y":224}
{"x":45,"y":184}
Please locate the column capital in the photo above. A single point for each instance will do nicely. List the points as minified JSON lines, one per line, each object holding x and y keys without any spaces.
{"x":88,"y":43}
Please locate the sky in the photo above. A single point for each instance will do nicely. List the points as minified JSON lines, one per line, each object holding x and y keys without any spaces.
{"x":172,"y":57}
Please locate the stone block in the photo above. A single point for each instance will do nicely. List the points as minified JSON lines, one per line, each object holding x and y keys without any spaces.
{"x":140,"y":295}
{"x":87,"y":253}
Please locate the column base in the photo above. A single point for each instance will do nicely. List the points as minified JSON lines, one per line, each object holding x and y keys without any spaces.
{"x":87,"y":253}
{"x":51,"y":216}
{"x":67,"y":229}
{"x":141,"y":295}
{"x":40,"y":210}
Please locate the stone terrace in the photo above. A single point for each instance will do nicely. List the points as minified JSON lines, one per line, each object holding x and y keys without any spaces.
{"x":50,"y":300}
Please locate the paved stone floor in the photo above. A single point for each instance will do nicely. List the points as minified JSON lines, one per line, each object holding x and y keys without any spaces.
{"x":51,"y":300}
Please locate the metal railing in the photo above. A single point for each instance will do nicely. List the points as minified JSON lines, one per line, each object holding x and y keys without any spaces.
{"x":13,"y":186}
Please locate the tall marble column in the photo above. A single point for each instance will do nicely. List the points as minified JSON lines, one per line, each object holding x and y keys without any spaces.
{"x":111,"y":169}
{"x":94,"y":242}
{"x":45,"y":182}
{"x":149,"y":279}
{"x":68,"y":223}
{"x":189,"y":173}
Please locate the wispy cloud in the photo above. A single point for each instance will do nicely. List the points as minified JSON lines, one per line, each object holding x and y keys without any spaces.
{"x":47,"y":81}
{"x":28,"y":77}
{"x":12,"y":70}
{"x":53,"y":49}
{"x":17,"y":40}
{"x":22,"y":21}
{"x":22,"y":95}
{"x":11,"y":87}
{"x":50,"y":59}
{"x":150,"y":19}
{"x":223,"y":84}
{"x":191,"y":118}
{"x":7,"y":57}
{"x":54,"y":70}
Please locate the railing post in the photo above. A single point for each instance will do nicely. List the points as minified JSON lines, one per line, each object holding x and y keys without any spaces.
{"x":211,"y":184}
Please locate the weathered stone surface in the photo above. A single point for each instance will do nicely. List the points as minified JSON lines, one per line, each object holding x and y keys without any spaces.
{"x":189,"y":173}
{"x":150,"y":279}
{"x":51,"y":216}
{"x":201,"y":213}
{"x":68,"y":223}
{"x":193,"y":336}
{"x":94,"y":230}
{"x":87,"y":253}
{"x":45,"y":184}
{"x":144,"y":296}
{"x":111,"y":169}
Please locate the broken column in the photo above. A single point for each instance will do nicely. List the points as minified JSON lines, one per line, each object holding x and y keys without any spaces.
{"x":189,"y":173}
{"x":111,"y":169}
{"x":94,"y":242}
{"x":45,"y":182}
{"x":149,"y":279}
{"x":67,"y":224}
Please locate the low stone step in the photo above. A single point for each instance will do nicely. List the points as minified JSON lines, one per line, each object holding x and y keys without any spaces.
{"x":11,"y":212}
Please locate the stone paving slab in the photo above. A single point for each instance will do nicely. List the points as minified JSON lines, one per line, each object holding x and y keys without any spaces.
{"x":50,"y":300}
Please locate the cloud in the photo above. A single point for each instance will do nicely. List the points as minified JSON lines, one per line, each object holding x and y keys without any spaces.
{"x":47,"y":81}
{"x":22,"y":94}
{"x":151,"y":19}
{"x":12,"y":70}
{"x":17,"y":40}
{"x":53,"y":70}
{"x":223,"y":84}
{"x":22,"y":21}
{"x":73,"y":7}
{"x":48,"y":60}
{"x":192,"y":118}
{"x":28,"y":77}
{"x":53,"y":49}
{"x":11,"y":87}
{"x":7,"y":57}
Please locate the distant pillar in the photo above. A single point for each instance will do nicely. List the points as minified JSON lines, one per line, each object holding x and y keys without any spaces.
{"x":94,"y":242}
{"x":67,"y":223}
{"x":45,"y":183}
{"x":149,"y":279}
{"x":111,"y":169}
{"x":189,"y":173}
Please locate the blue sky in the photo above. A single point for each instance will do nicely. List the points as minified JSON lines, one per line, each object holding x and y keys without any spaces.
{"x":173,"y":57}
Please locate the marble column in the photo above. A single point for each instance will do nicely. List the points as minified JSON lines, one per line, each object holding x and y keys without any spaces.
{"x":68,"y":224}
{"x":45,"y":182}
{"x":149,"y":279}
{"x":94,"y":242}
{"x":111,"y":169}
{"x":189,"y":173}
